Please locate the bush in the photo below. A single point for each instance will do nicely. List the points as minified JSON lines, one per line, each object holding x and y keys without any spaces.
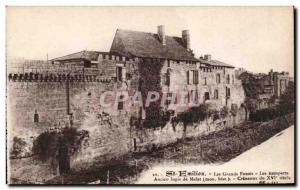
{"x":48,"y":144}
{"x":216,"y":116}
{"x":156,"y":118}
{"x":270,"y":113}
{"x":224,"y":112}
{"x":45,"y":146}
{"x":193,"y":115}
{"x":17,"y":147}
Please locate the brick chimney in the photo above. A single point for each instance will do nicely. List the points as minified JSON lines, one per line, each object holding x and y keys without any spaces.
{"x":186,"y":39}
{"x":161,"y":34}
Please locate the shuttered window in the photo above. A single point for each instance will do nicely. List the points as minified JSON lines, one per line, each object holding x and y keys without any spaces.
{"x":218,"y":78}
{"x":188,"y":77}
{"x":195,"y":77}
{"x":216,"y":94}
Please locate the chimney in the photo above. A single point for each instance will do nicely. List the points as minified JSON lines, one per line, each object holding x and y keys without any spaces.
{"x":161,"y":34}
{"x":207,"y":57}
{"x":186,"y":39}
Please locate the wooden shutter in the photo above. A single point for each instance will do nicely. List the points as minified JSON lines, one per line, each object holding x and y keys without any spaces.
{"x":188,"y":77}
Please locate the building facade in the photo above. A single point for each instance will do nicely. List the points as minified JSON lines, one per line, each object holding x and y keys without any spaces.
{"x":67,"y":91}
{"x":265,"y":89}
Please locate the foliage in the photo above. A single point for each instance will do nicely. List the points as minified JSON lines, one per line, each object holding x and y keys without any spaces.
{"x":150,"y":81}
{"x":287,"y":100}
{"x":234,"y":109}
{"x":251,"y":104}
{"x":193,"y":115}
{"x":285,"y":106}
{"x":17,"y":147}
{"x":271,"y":113}
{"x":216,"y":115}
{"x":47,"y":144}
{"x":134,"y":121}
{"x":224,"y":112}
{"x":157,"y":118}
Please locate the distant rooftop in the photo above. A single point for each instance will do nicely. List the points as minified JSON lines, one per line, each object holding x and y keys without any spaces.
{"x":87,"y":55}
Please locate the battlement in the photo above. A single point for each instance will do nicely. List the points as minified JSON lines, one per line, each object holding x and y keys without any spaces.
{"x":110,"y":56}
{"x":38,"y":77}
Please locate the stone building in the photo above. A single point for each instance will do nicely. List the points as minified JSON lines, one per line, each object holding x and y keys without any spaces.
{"x":66,"y":91}
{"x":208,"y":80}
{"x":265,"y":89}
{"x":280,"y":81}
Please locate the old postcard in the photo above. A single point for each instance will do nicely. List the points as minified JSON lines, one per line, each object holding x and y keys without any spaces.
{"x":150,"y":95}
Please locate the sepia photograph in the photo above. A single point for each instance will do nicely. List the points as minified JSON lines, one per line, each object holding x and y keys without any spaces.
{"x":125,"y":95}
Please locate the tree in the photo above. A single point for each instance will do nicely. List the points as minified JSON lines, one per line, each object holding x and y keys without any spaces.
{"x":17,"y":148}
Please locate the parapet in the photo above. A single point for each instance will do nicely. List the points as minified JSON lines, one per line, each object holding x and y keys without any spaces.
{"x":37,"y":77}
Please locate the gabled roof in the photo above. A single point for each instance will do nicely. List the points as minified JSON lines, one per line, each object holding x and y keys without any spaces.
{"x":141,"y":44}
{"x":85,"y":55}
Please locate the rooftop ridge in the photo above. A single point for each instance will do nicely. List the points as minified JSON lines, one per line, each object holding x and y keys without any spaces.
{"x":128,"y":30}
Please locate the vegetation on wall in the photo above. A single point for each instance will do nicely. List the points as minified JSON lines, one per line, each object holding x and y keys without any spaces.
{"x":17,"y":148}
{"x":150,"y":81}
{"x":45,"y":145}
{"x":193,"y":115}
{"x":49,"y":145}
{"x":285,"y":106}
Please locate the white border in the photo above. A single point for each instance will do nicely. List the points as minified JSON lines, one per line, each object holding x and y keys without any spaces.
{"x":4,"y":3}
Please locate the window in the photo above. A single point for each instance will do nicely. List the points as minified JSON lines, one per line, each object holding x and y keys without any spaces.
{"x":188,"y":77}
{"x":195,"y":77}
{"x":168,"y":63}
{"x":218,"y":78}
{"x":192,"y":96}
{"x":228,"y":92}
{"x":167,"y":78}
{"x":119,"y":74}
{"x":36,"y":117}
{"x":228,"y":79}
{"x":232,"y":79}
{"x":205,"y":81}
{"x":216,"y":94}
{"x":206,"y":96}
{"x":121,"y":103}
{"x":134,"y":144}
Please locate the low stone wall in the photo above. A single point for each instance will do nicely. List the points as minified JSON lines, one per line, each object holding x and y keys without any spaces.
{"x":148,"y":139}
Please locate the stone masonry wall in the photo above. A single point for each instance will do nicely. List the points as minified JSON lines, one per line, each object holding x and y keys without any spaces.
{"x":207,"y":83}
{"x":147,"y":139}
{"x":110,"y":133}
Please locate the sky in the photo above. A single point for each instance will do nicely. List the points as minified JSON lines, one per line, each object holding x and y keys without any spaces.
{"x":254,"y":38}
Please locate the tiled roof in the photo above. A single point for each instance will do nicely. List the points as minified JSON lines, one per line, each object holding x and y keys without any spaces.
{"x":142,"y":44}
{"x":87,"y":55}
{"x":219,"y":63}
{"x":215,"y":63}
